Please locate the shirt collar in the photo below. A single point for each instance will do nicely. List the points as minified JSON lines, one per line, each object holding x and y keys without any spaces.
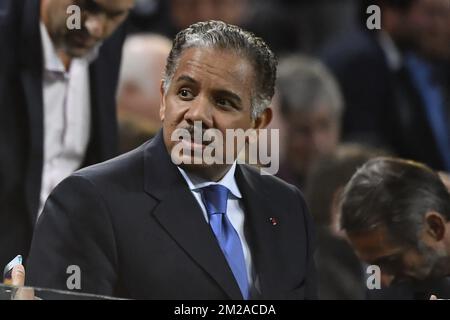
{"x":51,"y":60}
{"x":195,"y":183}
{"x":391,"y":52}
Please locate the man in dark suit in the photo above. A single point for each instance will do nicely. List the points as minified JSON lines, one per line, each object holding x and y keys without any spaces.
{"x":56,"y":102}
{"x":395,"y":81}
{"x":140,"y":226}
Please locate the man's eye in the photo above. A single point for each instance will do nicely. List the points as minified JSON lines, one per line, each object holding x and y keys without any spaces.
{"x":224,"y":103}
{"x":185,"y":94}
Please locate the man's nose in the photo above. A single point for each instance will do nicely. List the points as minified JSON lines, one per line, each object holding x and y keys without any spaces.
{"x":96,"y":25}
{"x":201,"y":109}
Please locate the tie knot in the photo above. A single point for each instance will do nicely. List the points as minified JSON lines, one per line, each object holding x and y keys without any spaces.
{"x":215,"y":199}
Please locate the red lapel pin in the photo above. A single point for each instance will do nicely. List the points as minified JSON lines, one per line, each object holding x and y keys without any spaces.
{"x":273,"y":221}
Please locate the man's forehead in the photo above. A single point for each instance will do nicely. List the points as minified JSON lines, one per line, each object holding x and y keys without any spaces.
{"x":215,"y":63}
{"x":373,"y":244}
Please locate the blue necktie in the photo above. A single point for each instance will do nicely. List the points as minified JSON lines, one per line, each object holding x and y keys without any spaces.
{"x":215,"y":199}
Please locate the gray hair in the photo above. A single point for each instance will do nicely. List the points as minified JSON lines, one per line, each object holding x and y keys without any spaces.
{"x":303,"y":82}
{"x":393,"y":193}
{"x":219,"y":35}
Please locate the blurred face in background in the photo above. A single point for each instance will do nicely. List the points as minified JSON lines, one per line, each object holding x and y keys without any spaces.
{"x":430,"y":22}
{"x":186,"y":12}
{"x":99,"y":19}
{"x":425,"y":27}
{"x":310,"y":134}
{"x":397,"y":261}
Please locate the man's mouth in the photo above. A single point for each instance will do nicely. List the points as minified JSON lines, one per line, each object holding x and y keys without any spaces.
{"x":195,"y":145}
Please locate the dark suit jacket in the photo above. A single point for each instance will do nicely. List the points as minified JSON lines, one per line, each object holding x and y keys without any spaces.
{"x":136,"y":231}
{"x":382,"y":107}
{"x":341,"y":272}
{"x":21,"y":119}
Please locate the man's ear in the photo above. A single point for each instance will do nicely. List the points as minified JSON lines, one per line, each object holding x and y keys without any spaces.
{"x":435,"y":225}
{"x":162,"y":103}
{"x":263,"y":120}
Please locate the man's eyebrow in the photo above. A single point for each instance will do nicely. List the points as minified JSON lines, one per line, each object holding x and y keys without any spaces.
{"x":186,"y":78}
{"x":230,"y":95}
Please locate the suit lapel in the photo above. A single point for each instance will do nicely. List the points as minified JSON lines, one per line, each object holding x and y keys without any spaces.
{"x":262,"y":235}
{"x":180,"y":215}
{"x":31,"y":76}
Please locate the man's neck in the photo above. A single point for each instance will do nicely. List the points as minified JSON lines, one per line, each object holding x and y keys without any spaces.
{"x":212,"y":173}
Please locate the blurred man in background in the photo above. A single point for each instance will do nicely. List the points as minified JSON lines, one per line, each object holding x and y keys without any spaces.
{"x":341,"y":272}
{"x":311,"y":106}
{"x":57,"y":102}
{"x":396,"y":214}
{"x":396,"y":80}
{"x":143,"y":61}
{"x":266,"y":18}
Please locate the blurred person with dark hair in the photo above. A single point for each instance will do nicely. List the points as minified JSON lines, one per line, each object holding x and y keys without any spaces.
{"x":168,"y":17}
{"x":311,"y":106}
{"x":396,"y":81}
{"x":341,"y":272}
{"x":57,"y":102}
{"x":266,"y":18}
{"x":396,"y":215}
{"x":143,"y":60}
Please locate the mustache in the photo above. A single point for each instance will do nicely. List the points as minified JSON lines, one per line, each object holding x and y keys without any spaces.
{"x":199,"y":132}
{"x":195,"y":129}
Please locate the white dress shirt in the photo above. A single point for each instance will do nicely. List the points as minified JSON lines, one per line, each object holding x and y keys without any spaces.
{"x":67,"y":115}
{"x":235,"y":212}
